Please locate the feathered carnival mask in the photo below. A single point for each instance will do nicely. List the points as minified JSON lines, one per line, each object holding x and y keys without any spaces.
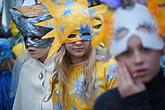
{"x":72,"y":21}
{"x":103,"y":24}
{"x":124,"y":29}
{"x":156,"y":7}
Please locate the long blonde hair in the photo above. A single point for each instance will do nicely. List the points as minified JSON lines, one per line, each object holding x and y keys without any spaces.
{"x":63,"y":62}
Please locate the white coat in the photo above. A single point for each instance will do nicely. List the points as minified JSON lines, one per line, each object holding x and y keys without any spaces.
{"x":34,"y":85}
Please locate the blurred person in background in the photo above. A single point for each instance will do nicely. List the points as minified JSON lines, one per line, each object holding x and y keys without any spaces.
{"x":138,"y":49}
{"x":6,"y":63}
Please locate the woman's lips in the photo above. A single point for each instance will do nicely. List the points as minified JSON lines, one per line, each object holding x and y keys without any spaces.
{"x":139,"y":73}
{"x":31,"y":50}
{"x":78,"y":49}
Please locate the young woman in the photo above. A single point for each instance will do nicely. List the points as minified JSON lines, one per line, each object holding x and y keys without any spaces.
{"x":78,"y":78}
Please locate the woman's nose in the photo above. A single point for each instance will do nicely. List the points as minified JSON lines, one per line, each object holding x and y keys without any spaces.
{"x":78,"y":42}
{"x":138,"y":58}
{"x":28,"y":44}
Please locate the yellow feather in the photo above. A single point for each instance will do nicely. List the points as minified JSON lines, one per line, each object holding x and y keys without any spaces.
{"x":157,"y":8}
{"x":106,"y":31}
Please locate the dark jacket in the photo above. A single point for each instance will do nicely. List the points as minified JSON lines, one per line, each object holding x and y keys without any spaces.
{"x":153,"y":98}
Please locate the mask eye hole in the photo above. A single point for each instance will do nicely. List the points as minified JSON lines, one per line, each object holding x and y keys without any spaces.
{"x":72,"y":36}
{"x":100,"y":20}
{"x":146,"y":27}
{"x":35,"y":38}
{"x":86,"y":34}
{"x":121,"y":33}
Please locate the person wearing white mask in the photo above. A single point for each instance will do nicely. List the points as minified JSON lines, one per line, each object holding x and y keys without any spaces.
{"x":137,"y":48}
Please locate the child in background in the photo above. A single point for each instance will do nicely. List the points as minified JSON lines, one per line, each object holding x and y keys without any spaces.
{"x":33,"y":92}
{"x":138,"y":48}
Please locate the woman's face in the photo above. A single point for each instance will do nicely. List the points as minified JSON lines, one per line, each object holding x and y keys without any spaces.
{"x":38,"y":53}
{"x":77,"y":49}
{"x":142,"y":63}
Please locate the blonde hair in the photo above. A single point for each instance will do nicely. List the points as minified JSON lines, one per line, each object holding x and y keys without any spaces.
{"x":63,"y":62}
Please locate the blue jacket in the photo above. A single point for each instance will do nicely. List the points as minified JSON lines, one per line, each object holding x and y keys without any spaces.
{"x":5,"y":84}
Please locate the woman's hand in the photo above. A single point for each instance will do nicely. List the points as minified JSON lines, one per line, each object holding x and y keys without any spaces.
{"x":127,"y":86}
